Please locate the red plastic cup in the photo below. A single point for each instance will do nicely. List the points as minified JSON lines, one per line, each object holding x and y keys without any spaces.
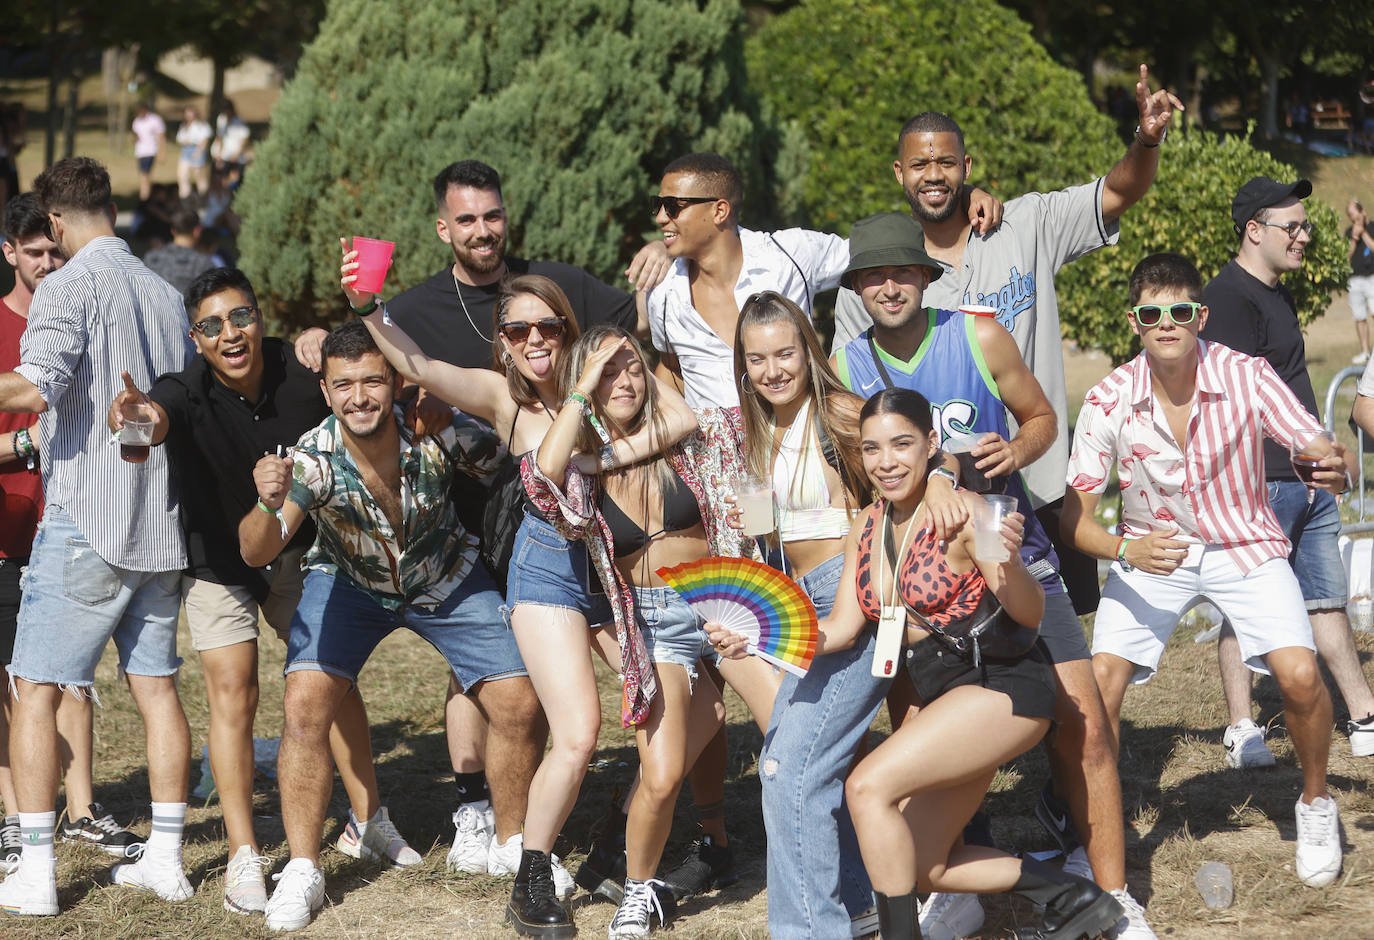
{"x":978,"y":310}
{"x":374,"y":260}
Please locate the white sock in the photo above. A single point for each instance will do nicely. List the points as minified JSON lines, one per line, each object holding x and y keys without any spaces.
{"x":168,"y":821}
{"x":36,"y":830}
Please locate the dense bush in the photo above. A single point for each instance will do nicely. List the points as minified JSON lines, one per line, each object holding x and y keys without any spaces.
{"x":578,"y":104}
{"x":846,"y":74}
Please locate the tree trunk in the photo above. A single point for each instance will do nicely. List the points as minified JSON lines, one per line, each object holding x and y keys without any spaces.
{"x":69,"y":115}
{"x":54,"y":76}
{"x":1269,"y":103}
{"x":216,"y":92}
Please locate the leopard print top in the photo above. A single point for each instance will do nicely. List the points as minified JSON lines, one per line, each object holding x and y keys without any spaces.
{"x":927,"y":585}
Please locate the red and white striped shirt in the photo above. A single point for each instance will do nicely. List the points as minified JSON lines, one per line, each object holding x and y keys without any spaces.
{"x":1214,"y":492}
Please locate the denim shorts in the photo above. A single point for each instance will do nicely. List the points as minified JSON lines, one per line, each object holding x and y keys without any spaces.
{"x":549,"y":571}
{"x":822,"y":583}
{"x":1314,"y":531}
{"x":672,"y":630}
{"x":337,"y":625}
{"x":74,"y":602}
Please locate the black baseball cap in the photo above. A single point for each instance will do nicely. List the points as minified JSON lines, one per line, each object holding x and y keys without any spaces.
{"x":888,"y":239}
{"x":1261,"y":193}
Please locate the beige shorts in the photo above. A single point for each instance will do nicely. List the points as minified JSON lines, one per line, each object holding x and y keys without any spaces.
{"x":223,"y":614}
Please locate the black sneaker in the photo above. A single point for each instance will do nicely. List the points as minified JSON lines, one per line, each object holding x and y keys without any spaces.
{"x":708,"y":865}
{"x":602,"y":873}
{"x":103,"y":833}
{"x":1053,"y":814}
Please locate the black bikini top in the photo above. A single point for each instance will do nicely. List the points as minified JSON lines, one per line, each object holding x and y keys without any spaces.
{"x":680,"y":511}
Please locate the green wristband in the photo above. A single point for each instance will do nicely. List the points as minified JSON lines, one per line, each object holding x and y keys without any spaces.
{"x":263,"y":507}
{"x":364,"y":311}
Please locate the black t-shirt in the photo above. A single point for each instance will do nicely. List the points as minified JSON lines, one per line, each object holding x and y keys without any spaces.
{"x":216,"y":437}
{"x":1262,"y":321}
{"x":433,"y":316}
{"x":1362,"y":262}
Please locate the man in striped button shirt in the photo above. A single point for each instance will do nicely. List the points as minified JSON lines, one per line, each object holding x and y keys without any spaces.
{"x":1196,"y":522}
{"x":107,"y":559}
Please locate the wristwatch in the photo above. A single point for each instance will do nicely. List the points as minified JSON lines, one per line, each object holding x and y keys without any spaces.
{"x":945,"y":472}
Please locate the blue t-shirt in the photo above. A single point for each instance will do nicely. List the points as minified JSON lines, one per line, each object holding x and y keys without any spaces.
{"x":949,"y":370}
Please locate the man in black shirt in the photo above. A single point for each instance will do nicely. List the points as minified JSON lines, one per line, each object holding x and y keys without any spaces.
{"x":1251,"y":311}
{"x":245,"y":396}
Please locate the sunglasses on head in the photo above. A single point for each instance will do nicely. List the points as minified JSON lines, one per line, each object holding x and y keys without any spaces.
{"x":241,"y":317}
{"x":1150,"y":314}
{"x":517,"y":331}
{"x":672,"y":206}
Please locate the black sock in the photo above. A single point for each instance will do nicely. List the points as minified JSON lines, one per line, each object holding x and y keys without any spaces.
{"x":472,"y":788}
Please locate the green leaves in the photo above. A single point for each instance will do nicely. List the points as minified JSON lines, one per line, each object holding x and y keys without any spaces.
{"x":578,"y":105}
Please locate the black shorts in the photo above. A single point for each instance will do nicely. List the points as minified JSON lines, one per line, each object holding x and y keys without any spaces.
{"x":145,"y":164}
{"x":935,"y":668}
{"x":9,"y":605}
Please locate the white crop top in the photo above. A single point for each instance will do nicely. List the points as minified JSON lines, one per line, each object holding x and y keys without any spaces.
{"x":799,"y":487}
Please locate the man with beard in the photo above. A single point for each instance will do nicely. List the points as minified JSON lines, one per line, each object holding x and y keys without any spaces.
{"x":390,"y":552}
{"x":1012,"y":269}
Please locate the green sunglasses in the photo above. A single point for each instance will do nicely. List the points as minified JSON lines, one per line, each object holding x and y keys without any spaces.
{"x":1150,"y":314}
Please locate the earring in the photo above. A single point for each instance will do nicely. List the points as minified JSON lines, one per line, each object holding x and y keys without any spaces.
{"x":746,"y":386}
{"x":507,"y":358}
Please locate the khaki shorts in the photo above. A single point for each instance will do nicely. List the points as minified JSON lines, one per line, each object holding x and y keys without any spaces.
{"x":224,"y":614}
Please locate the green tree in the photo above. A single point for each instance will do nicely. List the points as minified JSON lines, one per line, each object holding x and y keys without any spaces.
{"x":1029,"y":125}
{"x":578,"y":105}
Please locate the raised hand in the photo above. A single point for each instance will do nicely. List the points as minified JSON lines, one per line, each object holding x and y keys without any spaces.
{"x":348,"y":274}
{"x":132,"y":395}
{"x":272,"y":477}
{"x":595,"y":365}
{"x":1155,"y":109}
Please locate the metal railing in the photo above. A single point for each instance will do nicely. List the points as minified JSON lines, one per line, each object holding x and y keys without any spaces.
{"x":1339,"y":379}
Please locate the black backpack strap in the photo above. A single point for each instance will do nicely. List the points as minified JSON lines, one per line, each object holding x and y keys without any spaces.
{"x":806,"y":285}
{"x":878,"y":361}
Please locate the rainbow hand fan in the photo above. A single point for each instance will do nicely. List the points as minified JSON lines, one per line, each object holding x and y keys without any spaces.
{"x":753,"y":600}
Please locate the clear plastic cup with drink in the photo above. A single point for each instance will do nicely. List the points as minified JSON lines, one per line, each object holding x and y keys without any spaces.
{"x":754,"y":497}
{"x":988,"y":543}
{"x":136,"y":433}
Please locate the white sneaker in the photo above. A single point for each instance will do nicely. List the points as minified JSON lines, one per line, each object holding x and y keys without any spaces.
{"x":1132,"y":926}
{"x":1077,"y":864}
{"x":474,"y":828}
{"x":378,"y":840}
{"x":1361,"y":736}
{"x":245,"y":882}
{"x":950,"y":916}
{"x":31,"y":890}
{"x":1245,"y":745}
{"x":160,"y":874}
{"x":298,"y":895}
{"x":504,"y":860}
{"x":1360,"y":358}
{"x":1319,"y":841}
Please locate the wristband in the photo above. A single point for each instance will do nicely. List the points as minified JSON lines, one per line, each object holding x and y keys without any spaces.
{"x":607,"y":457}
{"x":263,"y":506}
{"x":24,"y":446}
{"x":1121,"y":553}
{"x":580,"y":399}
{"x":1145,"y":143}
{"x":364,"y":311}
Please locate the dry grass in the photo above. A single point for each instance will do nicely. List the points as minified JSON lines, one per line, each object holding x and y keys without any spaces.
{"x":1183,"y":807}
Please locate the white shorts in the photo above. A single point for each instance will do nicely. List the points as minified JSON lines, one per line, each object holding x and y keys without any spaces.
{"x":1140,"y":611}
{"x":1362,"y":296}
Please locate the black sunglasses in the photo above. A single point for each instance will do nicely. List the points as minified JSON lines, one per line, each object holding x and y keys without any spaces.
{"x":672,"y":206}
{"x":1150,"y":314}
{"x":211,"y":327}
{"x":517,"y":331}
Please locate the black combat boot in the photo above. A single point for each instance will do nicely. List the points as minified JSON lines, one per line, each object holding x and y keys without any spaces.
{"x":1074,"y":907}
{"x":898,"y":916}
{"x":534,"y":910}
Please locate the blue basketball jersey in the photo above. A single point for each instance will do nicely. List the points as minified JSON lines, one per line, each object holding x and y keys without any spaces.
{"x":950,"y":371}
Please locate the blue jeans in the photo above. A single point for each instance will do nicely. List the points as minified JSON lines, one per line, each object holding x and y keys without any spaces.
{"x":74,"y":602}
{"x":1314,"y":530}
{"x":816,"y":877}
{"x":338,"y":624}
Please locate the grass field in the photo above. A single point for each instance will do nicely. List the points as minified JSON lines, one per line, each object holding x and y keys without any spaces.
{"x":1183,"y":807}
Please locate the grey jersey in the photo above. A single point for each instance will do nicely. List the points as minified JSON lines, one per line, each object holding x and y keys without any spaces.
{"x":1013,"y":269}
